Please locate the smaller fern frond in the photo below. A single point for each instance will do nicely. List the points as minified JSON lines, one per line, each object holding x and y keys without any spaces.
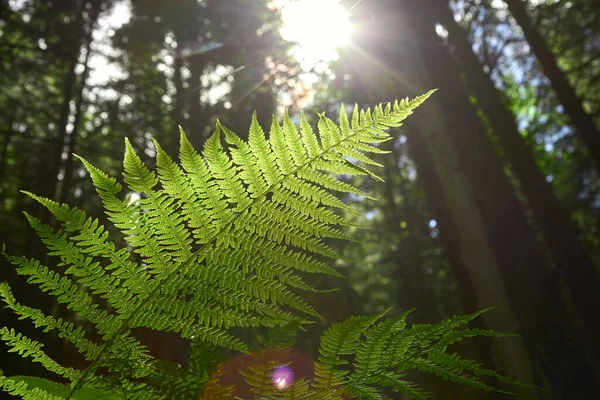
{"x":28,"y":348}
{"x":383,"y":351}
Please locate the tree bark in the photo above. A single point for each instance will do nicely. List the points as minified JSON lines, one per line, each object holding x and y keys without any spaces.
{"x":583,"y":123}
{"x":198,"y":120}
{"x":187,"y":108}
{"x":179,"y":97}
{"x":570,"y":257}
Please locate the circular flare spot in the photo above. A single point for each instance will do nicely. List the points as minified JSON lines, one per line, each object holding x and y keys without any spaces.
{"x":283,"y":377}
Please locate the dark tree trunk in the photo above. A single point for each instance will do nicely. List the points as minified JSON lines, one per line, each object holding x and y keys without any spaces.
{"x":450,"y":238}
{"x":197,"y":115}
{"x":187,"y":108}
{"x":578,"y":270}
{"x":583,"y":122}
{"x":179,"y":92}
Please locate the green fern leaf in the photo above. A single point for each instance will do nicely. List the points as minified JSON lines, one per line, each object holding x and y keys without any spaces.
{"x":219,"y":241}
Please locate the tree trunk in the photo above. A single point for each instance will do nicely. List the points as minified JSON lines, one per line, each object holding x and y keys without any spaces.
{"x":570,"y":257}
{"x":583,"y":122}
{"x":177,"y":98}
{"x":71,"y":138}
{"x":198,"y":120}
{"x":469,"y":237}
{"x":187,"y":107}
{"x":8,"y":136}
{"x":58,"y":141}
{"x":471,"y":288}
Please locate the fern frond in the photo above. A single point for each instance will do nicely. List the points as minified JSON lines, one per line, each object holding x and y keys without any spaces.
{"x":338,"y":341}
{"x":216,"y":241}
{"x":261,"y":149}
{"x":382,"y":352}
{"x":130,"y":219}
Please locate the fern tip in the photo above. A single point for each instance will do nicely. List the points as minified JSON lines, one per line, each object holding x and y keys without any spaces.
{"x":159,"y":149}
{"x":78,"y":156}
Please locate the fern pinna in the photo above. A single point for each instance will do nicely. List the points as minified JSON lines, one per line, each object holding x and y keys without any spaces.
{"x":222,"y":236}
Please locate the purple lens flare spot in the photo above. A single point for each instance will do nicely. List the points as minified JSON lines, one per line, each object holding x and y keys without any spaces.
{"x":283,"y":377}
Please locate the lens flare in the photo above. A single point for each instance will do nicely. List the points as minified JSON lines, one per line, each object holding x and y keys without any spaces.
{"x":318,"y":26}
{"x":283,"y":377}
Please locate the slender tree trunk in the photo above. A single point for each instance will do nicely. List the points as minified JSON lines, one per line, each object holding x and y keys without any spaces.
{"x":578,"y":270}
{"x":197,"y":116}
{"x":8,"y":135}
{"x":71,"y":138}
{"x":187,"y":108}
{"x":583,"y":122}
{"x":179,"y":95}
{"x":58,"y":141}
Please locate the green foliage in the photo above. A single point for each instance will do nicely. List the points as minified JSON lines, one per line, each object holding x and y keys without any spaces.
{"x":221,"y":241}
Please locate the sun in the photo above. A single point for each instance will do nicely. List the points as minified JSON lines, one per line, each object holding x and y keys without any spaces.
{"x":319,"y":27}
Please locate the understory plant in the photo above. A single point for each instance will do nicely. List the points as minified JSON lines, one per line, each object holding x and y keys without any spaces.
{"x":216,"y":242}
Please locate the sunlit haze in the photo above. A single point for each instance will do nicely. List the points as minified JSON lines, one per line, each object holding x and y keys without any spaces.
{"x":319,"y":27}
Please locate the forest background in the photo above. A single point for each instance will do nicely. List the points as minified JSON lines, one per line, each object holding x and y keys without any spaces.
{"x":492,"y":192}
